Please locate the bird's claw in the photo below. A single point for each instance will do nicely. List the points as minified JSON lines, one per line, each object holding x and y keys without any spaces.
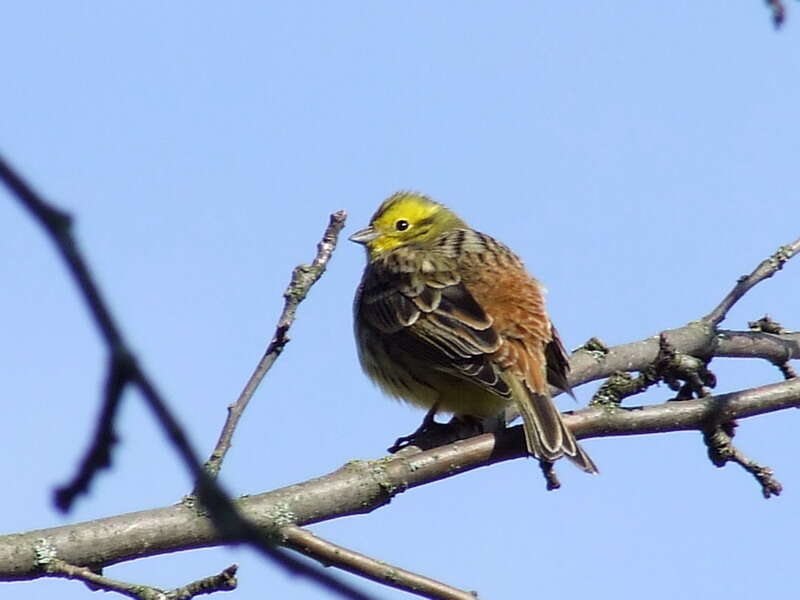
{"x":431,"y":433}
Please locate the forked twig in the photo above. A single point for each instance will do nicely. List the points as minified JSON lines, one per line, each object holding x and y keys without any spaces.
{"x":53,"y":566}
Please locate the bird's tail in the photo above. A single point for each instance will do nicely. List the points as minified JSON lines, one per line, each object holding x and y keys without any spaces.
{"x":546,"y":435}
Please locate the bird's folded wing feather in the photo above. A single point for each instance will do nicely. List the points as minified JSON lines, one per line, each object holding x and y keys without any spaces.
{"x":434,"y":318}
{"x":557,"y":363}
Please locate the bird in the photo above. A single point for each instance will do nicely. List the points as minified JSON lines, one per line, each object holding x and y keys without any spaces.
{"x":448,"y":318}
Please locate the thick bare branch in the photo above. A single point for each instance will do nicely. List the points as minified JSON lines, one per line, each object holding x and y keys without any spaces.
{"x":362,"y":486}
{"x":695,"y":339}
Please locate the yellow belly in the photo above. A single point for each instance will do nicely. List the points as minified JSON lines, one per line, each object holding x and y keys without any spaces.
{"x":461,"y":397}
{"x":423,"y":385}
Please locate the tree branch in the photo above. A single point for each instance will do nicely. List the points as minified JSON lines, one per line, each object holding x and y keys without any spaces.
{"x":124,"y":370}
{"x":362,"y":486}
{"x":721,"y":451}
{"x":695,"y":339}
{"x":766,"y":269}
{"x":303,"y":278}
{"x":52,"y":566}
{"x":698,"y":338}
{"x":331,"y":554}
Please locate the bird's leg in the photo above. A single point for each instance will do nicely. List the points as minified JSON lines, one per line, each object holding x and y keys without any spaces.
{"x":493,"y":424}
{"x":465,"y":426}
{"x":427,"y":426}
{"x":431,"y":433}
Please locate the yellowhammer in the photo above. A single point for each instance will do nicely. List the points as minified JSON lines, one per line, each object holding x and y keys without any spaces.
{"x":448,"y":318}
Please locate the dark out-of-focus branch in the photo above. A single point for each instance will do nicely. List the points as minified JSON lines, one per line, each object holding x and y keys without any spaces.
{"x":124,"y":370}
{"x":303,"y":277}
{"x":121,"y":363}
{"x":778,"y":11}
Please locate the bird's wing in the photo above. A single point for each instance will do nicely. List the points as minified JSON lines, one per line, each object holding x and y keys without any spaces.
{"x":557,"y":363}
{"x":434,"y":318}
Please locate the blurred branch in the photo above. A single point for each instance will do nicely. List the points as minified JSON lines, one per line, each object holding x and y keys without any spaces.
{"x":778,"y":11}
{"x":124,"y":370}
{"x":303,"y":278}
{"x":362,"y":486}
{"x":121,"y":363}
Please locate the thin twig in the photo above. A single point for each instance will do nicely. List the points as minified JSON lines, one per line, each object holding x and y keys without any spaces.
{"x":719,"y":440}
{"x":765,"y":270}
{"x":125,"y":370}
{"x":303,"y":278}
{"x":222,"y":582}
{"x":332,"y":554}
{"x":137,"y":591}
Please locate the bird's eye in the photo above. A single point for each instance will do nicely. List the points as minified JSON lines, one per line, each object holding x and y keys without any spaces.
{"x":401,"y":225}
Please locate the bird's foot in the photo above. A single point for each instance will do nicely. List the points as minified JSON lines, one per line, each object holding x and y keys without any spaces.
{"x":431,"y":434}
{"x":427,"y":428}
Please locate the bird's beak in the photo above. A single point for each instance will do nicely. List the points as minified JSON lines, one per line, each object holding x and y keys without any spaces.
{"x":364,"y":236}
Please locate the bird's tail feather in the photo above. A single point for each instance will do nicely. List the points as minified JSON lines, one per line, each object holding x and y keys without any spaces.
{"x":546,"y":435}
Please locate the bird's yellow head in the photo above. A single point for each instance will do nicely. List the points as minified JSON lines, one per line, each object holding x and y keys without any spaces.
{"x":406,"y":218}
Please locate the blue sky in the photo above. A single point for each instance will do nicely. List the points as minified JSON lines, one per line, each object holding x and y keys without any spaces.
{"x":639,"y":157}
